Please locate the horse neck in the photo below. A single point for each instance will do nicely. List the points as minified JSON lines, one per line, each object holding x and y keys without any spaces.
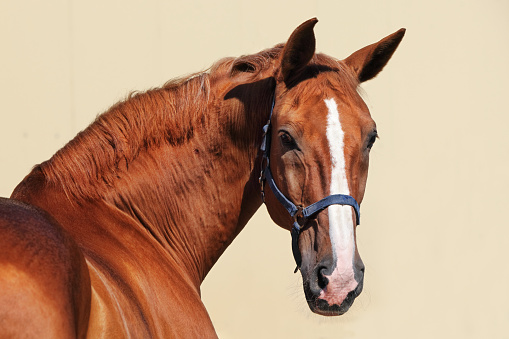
{"x":193,"y":194}
{"x":193,"y":199}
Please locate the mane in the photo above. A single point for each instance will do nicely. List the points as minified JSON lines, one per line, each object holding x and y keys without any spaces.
{"x":338,"y":76}
{"x":90,"y":163}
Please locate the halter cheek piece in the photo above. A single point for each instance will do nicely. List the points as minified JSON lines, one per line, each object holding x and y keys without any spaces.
{"x":299,"y":214}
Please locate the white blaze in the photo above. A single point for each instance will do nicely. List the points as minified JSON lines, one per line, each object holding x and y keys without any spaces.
{"x":341,"y":224}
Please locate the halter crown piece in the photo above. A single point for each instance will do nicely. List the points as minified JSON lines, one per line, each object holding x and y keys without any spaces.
{"x":299,"y":214}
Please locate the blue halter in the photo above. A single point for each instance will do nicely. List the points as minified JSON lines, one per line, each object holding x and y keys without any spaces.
{"x":299,"y":214}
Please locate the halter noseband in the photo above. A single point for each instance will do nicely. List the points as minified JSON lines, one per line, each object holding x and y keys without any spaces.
{"x":299,"y":214}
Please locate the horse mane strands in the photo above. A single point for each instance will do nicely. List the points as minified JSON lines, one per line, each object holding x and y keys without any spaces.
{"x":254,"y":64}
{"x":90,"y":162}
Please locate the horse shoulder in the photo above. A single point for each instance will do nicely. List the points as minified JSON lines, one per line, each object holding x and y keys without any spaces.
{"x":142,"y":294}
{"x":43,"y":276}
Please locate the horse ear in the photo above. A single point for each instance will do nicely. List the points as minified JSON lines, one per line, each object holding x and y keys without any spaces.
{"x":298,"y":51}
{"x":370,"y":60}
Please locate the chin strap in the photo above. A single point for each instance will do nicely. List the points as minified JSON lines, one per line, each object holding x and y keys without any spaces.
{"x":299,"y":214}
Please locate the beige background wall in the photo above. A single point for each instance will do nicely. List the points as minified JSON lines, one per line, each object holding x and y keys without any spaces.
{"x":435,"y":231}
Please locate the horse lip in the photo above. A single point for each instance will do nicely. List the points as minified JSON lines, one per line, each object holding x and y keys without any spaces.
{"x":322,"y":307}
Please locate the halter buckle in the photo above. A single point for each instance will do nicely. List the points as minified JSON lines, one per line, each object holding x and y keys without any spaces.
{"x":298,"y":215}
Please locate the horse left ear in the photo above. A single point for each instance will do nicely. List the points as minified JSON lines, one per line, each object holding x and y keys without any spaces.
{"x":370,"y":60}
{"x":298,"y":51}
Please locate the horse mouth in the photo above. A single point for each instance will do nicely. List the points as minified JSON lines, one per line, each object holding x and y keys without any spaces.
{"x":322,"y":307}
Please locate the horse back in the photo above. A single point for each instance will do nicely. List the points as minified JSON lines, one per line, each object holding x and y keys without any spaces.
{"x":44,"y":280}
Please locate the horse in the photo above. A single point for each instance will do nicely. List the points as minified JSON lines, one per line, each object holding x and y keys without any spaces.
{"x":113,"y":235}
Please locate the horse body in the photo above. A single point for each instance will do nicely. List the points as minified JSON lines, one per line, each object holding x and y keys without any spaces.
{"x":138,"y":288}
{"x":145,"y":276}
{"x":141,"y":204}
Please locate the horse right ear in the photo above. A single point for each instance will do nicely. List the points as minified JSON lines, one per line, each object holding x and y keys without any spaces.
{"x":370,"y":60}
{"x":298,"y":51}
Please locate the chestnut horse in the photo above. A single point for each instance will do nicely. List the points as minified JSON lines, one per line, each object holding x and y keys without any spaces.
{"x":114,"y":234}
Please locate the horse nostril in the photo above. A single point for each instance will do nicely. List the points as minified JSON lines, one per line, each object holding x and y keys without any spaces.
{"x":359,"y":273}
{"x":322,"y":280}
{"x":318,"y":280}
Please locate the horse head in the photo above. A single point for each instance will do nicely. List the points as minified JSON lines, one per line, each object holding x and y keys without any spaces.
{"x":320,"y":135}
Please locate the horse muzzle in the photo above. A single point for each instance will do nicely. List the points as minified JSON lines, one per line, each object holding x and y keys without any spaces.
{"x":330,"y":292}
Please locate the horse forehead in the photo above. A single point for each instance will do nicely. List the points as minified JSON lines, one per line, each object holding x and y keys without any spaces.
{"x":314,"y":112}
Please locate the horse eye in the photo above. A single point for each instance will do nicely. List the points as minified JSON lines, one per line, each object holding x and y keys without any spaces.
{"x":372,"y":139}
{"x":287,"y":139}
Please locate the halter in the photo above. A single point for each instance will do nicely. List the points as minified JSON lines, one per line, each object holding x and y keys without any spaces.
{"x":299,"y":214}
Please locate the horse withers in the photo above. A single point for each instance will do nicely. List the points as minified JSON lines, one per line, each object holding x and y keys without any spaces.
{"x":114,"y":234}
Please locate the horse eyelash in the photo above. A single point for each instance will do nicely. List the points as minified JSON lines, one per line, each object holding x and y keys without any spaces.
{"x":372,"y":139}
